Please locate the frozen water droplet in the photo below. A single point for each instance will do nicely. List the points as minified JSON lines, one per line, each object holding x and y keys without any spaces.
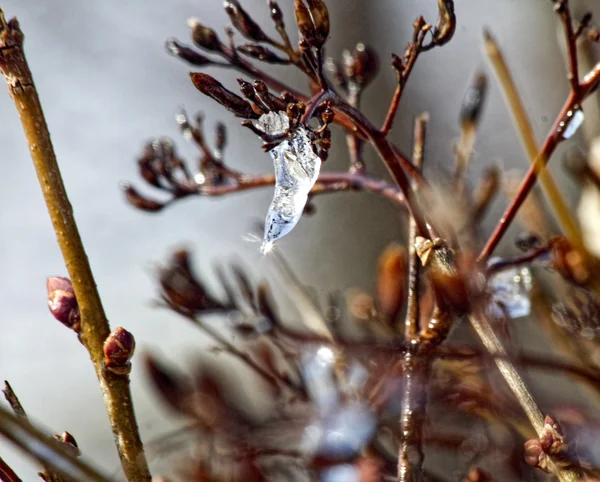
{"x":317,"y":369}
{"x":341,"y":473}
{"x":273,"y":123}
{"x":510,"y":288}
{"x":571,"y":123}
{"x":296,"y":171}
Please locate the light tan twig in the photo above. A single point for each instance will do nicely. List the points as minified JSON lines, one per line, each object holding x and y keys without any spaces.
{"x":94,"y":325}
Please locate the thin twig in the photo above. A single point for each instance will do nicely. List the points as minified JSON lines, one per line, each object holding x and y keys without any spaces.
{"x":7,"y":474}
{"x":15,"y":404}
{"x":588,"y":85}
{"x":517,"y":386}
{"x":415,"y":369}
{"x":95,"y":327}
{"x":46,"y":450}
{"x":556,"y":200}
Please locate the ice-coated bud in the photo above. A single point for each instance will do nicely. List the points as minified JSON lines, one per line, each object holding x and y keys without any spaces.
{"x":62,"y":302}
{"x":177,"y":49}
{"x":118,"y":350}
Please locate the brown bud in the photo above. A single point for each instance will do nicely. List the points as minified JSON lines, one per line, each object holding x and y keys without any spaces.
{"x":182,"y":290}
{"x":391,"y":276}
{"x":265,"y":304}
{"x":69,"y":443}
{"x":569,"y":261}
{"x":262,"y":53}
{"x":204,"y":37}
{"x":446,"y":26}
{"x":215,"y":90}
{"x":313,"y":21}
{"x":478,"y":475}
{"x":489,"y":183}
{"x":137,"y":200}
{"x":243,"y":22}
{"x":177,"y":49}
{"x":362,"y":65}
{"x":174,"y":390}
{"x":62,"y":302}
{"x":118,"y":350}
{"x":221,"y":136}
{"x":472,"y":104}
{"x":535,"y":456}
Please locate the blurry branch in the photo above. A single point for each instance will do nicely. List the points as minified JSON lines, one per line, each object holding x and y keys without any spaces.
{"x":563,"y":127}
{"x":515,"y":103}
{"x":416,"y":370}
{"x":47,"y":451}
{"x":7,"y":474}
{"x":94,"y":325}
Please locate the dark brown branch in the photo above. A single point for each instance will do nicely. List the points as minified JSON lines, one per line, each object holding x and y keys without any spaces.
{"x":95,"y":327}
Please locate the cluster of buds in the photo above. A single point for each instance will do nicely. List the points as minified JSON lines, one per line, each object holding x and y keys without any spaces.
{"x":62,"y":302}
{"x":118,"y":351}
{"x":550,"y":446}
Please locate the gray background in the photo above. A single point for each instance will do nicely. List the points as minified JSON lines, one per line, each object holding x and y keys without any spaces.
{"x":107,"y":85}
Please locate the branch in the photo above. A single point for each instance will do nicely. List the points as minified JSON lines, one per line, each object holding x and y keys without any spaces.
{"x":95,"y":327}
{"x":518,"y":388}
{"x":45,"y":450}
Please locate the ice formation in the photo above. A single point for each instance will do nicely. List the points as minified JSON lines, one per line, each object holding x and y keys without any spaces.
{"x":296,"y":171}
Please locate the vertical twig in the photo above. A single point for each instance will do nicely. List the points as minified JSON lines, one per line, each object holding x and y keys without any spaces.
{"x":517,"y":386}
{"x":416,"y":368}
{"x":95,"y":327}
{"x":525,"y":131}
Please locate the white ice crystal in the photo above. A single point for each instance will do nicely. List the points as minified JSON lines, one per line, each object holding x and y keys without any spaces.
{"x":296,"y":171}
{"x":510,"y":288}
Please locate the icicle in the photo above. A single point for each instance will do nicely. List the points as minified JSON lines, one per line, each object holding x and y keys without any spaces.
{"x":296,"y":171}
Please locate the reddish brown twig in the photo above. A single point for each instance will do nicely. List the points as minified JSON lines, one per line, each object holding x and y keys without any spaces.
{"x":7,"y":474}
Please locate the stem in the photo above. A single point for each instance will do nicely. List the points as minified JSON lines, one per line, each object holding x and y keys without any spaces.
{"x":556,"y":200}
{"x":388,"y":155}
{"x":517,"y":386}
{"x":417,"y":369}
{"x":589,"y":83}
{"x":94,"y":325}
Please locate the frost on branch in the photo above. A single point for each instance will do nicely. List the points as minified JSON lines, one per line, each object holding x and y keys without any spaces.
{"x":296,"y":170}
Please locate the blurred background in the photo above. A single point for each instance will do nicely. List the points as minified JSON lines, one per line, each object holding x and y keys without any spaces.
{"x":107,"y":86}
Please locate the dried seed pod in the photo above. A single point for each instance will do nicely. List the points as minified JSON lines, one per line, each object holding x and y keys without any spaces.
{"x":221,"y":136}
{"x":446,"y":26}
{"x":362,"y":65}
{"x":214,"y":89}
{"x":177,"y":49}
{"x":137,"y":200}
{"x":204,"y":37}
{"x":472,"y":104}
{"x":568,"y":261}
{"x":118,"y":348}
{"x":313,"y":21}
{"x":175,"y":391}
{"x":62,"y":302}
{"x":391,"y":281}
{"x":243,"y":22}
{"x":182,"y":290}
{"x":488,"y":186}
{"x":262,"y":53}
